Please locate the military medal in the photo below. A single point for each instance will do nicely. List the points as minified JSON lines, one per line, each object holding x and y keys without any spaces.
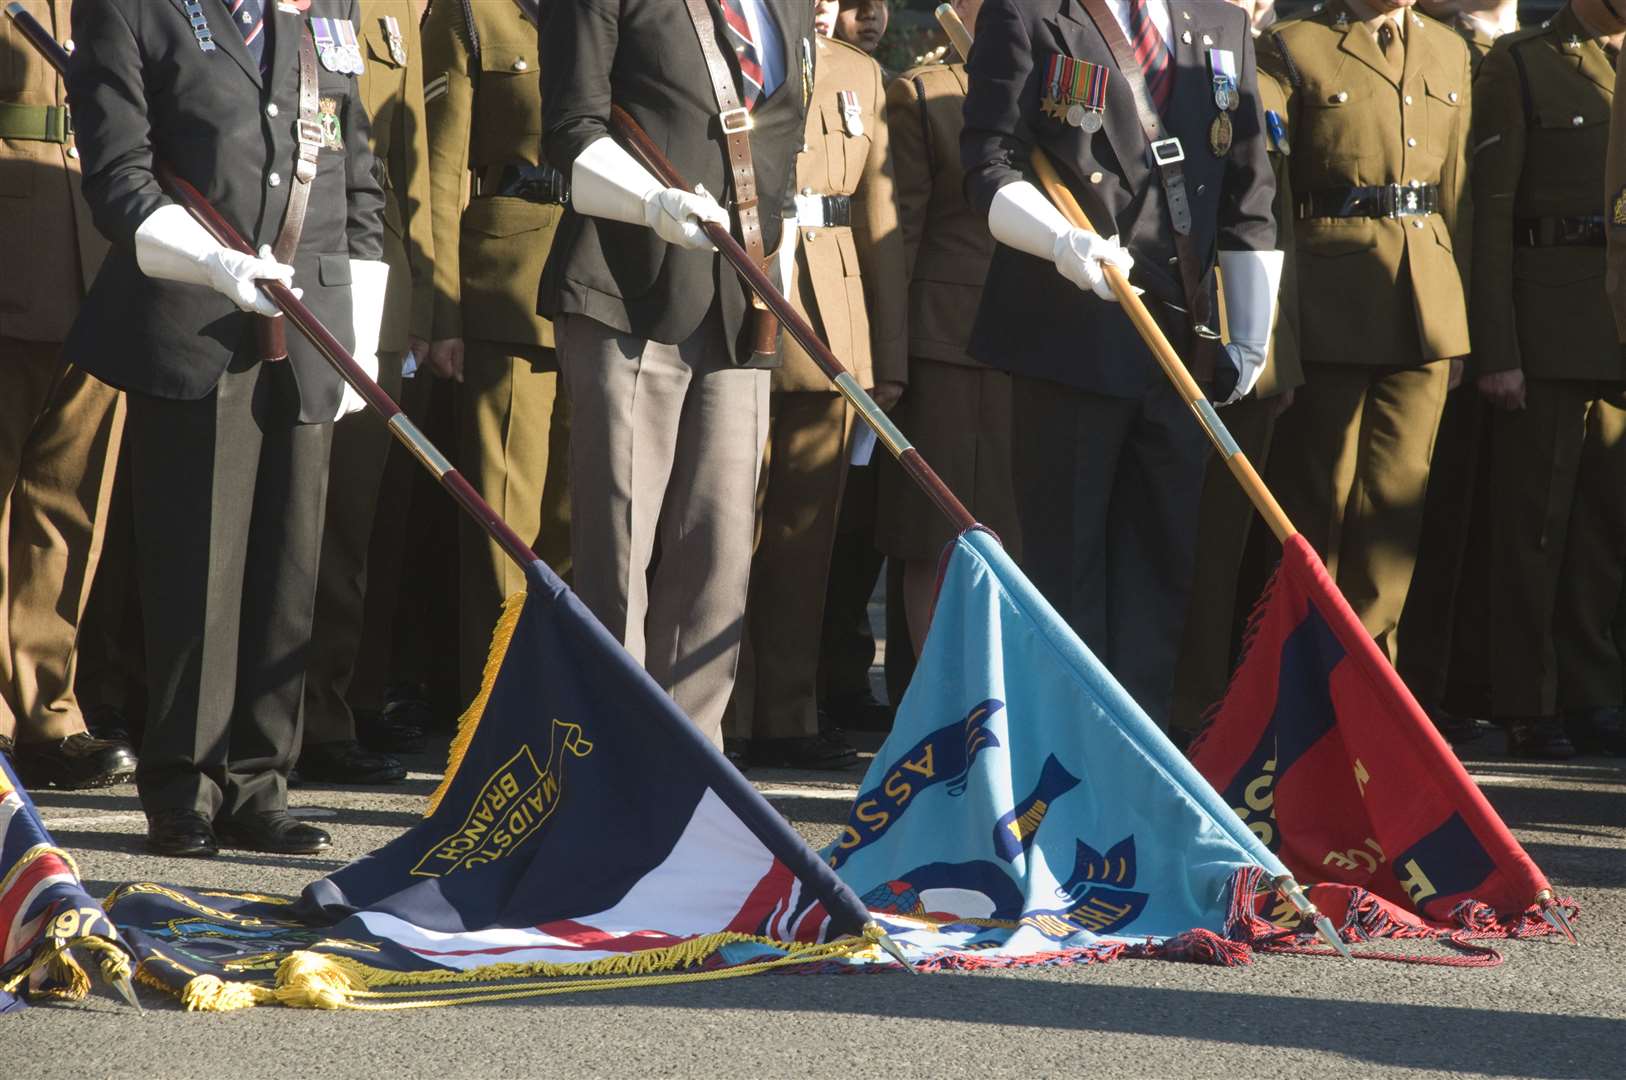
{"x":807,"y":73}
{"x":852,"y":113}
{"x":1220,"y":134}
{"x":200,"y":26}
{"x":327,"y":47}
{"x":1222,"y":65}
{"x":392,"y":34}
{"x":1075,"y":92}
{"x":350,"y":46}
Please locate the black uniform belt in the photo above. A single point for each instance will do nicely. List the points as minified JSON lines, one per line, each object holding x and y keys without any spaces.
{"x":1376,"y":201}
{"x":824,"y":211}
{"x":41,"y":123}
{"x":533,"y":183}
{"x":1588,"y":230}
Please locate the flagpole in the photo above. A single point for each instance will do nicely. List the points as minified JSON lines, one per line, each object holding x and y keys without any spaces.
{"x":1175,"y":369}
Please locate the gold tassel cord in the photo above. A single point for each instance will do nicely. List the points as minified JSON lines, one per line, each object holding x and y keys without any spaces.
{"x":501,"y":636}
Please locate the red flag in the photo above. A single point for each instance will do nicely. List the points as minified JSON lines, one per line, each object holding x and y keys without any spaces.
{"x":1319,"y":746}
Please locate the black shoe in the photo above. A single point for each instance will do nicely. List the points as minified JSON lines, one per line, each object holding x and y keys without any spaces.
{"x":347,"y":763}
{"x":820,"y":752}
{"x":738,"y":753}
{"x":407,"y":705}
{"x":1539,"y":738}
{"x":108,"y":722}
{"x":1457,"y":730}
{"x":182,"y":833}
{"x":391,"y":730}
{"x":1598,"y":731}
{"x":858,"y":712}
{"x":274,"y":831}
{"x":79,"y":761}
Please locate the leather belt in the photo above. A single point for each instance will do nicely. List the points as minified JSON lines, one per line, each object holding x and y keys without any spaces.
{"x":1589,"y":230}
{"x":1166,"y":155}
{"x":1377,"y":201}
{"x":38,"y":123}
{"x":823,"y":211}
{"x":735,"y":121}
{"x":272,"y":332}
{"x":533,"y":183}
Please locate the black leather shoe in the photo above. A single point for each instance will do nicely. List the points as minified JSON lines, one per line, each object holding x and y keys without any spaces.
{"x":1539,"y":738}
{"x":347,"y":763}
{"x":274,"y":831}
{"x":1456,"y":730}
{"x":1598,"y":731}
{"x":183,"y":833}
{"x":738,"y":753}
{"x":820,"y":752}
{"x":858,"y":712}
{"x":108,"y":722}
{"x":79,"y":761}
{"x":389,"y":730}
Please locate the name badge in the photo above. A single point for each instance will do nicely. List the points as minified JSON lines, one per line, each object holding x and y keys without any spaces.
{"x":1076,"y":92}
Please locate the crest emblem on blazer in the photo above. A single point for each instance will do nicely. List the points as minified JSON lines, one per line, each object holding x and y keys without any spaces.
{"x":1075,"y":92}
{"x":327,"y":118}
{"x":397,"y":43}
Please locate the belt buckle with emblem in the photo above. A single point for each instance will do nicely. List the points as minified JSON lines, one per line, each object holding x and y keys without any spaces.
{"x":1075,"y":92}
{"x":397,"y":43}
{"x":852,"y":113}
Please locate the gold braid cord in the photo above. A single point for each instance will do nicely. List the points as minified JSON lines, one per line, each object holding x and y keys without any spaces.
{"x":470,"y":720}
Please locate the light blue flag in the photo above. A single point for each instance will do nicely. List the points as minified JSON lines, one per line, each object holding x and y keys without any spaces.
{"x":1025,"y":806}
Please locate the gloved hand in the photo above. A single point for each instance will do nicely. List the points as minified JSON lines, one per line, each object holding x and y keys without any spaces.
{"x":1022,"y":217}
{"x":369,"y":281}
{"x":170,"y":244}
{"x":608,"y":182}
{"x":1251,"y":280}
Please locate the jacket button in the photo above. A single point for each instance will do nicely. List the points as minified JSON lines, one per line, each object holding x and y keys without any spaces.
{"x":1578,"y":120}
{"x":68,"y":46}
{"x":1417,"y":223}
{"x":1096,"y":178}
{"x":271,"y":108}
{"x":810,"y":236}
{"x":1452,"y":96}
{"x":73,"y":151}
{"x":1412,"y":141}
{"x":1341,"y":96}
{"x":275,"y":180}
{"x":520,"y":65}
{"x":1408,"y":99}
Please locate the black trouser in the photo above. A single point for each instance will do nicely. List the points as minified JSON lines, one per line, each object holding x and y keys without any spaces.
{"x":1107,"y":490}
{"x":228,"y":494}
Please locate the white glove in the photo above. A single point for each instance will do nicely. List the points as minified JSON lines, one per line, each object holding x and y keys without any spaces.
{"x":1022,"y":218}
{"x":783,"y":269}
{"x":369,"y":281}
{"x":607,"y":182}
{"x":170,"y":244}
{"x":1251,"y":280}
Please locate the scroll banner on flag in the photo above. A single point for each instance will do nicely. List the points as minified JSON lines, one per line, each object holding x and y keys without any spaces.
{"x":1320,"y":748}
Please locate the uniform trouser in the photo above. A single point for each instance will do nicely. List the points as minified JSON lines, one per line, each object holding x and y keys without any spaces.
{"x":1225,"y":518}
{"x":59,"y":445}
{"x":1446,"y":565}
{"x":847,"y":643}
{"x":1350,"y":467}
{"x":229,"y":493}
{"x":1107,"y":493}
{"x":361,"y":446}
{"x":665,"y":445}
{"x":513,"y":442}
{"x":804,"y":470}
{"x":1560,"y":550}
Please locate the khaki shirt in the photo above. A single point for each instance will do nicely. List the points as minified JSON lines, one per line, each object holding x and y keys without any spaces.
{"x":1353,"y":121}
{"x":485,"y":113}
{"x":392,"y":90}
{"x":850,"y":281}
{"x":44,"y":222}
{"x":947,"y":245}
{"x":1541,"y":134}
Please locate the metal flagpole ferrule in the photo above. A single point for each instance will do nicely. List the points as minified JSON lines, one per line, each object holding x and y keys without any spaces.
{"x":1553,"y":912}
{"x":876,"y":936}
{"x":417,"y":442}
{"x":1294,"y":894}
{"x":885,"y":430}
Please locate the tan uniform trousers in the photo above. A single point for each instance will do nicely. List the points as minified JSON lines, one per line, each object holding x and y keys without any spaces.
{"x":1557,"y":632}
{"x":666,"y":443}
{"x":1225,"y":518}
{"x":513,"y":443}
{"x":1349,"y":465}
{"x":804,"y":473}
{"x":60,"y":431}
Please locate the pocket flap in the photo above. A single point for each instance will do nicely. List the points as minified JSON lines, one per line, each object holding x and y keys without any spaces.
{"x":509,"y":57}
{"x":333,"y":269}
{"x":499,"y":215}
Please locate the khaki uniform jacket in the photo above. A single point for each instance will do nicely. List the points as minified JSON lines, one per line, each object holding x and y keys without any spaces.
{"x":850,"y":281}
{"x":1541,"y":135}
{"x":1364,"y":282}
{"x":1615,"y":204}
{"x":1284,"y":370}
{"x":485,"y":111}
{"x":947,"y":245}
{"x":44,"y":222}
{"x":392,"y":90}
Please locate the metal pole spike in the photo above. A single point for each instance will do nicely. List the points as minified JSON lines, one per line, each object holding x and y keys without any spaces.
{"x":1553,"y":912}
{"x":126,"y":990}
{"x":1330,"y":935}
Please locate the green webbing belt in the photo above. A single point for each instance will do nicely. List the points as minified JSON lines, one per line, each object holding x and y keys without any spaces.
{"x":42,"y":123}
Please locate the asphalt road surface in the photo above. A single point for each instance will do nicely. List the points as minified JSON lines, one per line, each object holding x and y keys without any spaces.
{"x":1552,"y":1010}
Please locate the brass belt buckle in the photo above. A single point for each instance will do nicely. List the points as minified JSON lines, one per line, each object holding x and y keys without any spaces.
{"x":736,"y":121}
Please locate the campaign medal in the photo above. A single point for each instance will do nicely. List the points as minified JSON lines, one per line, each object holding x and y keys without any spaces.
{"x":807,"y":73}
{"x":1075,"y":92}
{"x":1618,"y":216}
{"x":852,"y":114}
{"x":1222,"y":66}
{"x":350,"y":46}
{"x":327,"y":119}
{"x":397,"y":43}
{"x":1220,"y":134}
{"x":327,"y":46}
{"x":200,"y":26}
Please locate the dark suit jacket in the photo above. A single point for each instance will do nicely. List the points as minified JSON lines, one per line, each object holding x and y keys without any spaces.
{"x":643,"y":55}
{"x":141,"y":89}
{"x":1032,"y":320}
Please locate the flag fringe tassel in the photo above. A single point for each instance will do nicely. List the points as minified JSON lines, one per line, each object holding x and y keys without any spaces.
{"x":501,"y":636}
